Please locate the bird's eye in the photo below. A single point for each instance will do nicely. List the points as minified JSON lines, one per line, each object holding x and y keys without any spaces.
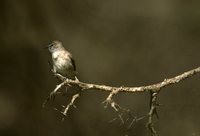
{"x":50,"y":45}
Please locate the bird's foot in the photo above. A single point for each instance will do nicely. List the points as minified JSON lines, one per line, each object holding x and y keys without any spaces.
{"x":76,"y":79}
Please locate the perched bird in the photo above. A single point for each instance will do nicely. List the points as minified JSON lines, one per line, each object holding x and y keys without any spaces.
{"x":63,"y":63}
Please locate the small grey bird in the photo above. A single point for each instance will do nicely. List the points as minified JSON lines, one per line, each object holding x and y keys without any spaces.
{"x":63,"y":63}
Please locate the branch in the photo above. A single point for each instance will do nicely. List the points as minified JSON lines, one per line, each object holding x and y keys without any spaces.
{"x":71,"y":103}
{"x":154,"y":90}
{"x":153,"y":111}
{"x":153,"y":87}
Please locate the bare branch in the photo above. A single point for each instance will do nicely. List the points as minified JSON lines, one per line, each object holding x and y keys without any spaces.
{"x":152,"y":112}
{"x":117,"y":108}
{"x":71,"y":103}
{"x":154,"y":89}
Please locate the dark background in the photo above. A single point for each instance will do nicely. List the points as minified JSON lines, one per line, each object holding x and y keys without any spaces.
{"x":114,"y":42}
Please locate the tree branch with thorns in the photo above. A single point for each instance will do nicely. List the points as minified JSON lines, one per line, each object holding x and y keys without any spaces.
{"x":154,"y":90}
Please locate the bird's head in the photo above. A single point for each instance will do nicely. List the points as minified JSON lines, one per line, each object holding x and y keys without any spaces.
{"x":55,"y":46}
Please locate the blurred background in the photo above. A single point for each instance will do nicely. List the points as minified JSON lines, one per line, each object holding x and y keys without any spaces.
{"x":114,"y":42}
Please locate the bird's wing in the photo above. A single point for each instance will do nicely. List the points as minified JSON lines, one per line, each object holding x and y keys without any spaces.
{"x":73,"y":62}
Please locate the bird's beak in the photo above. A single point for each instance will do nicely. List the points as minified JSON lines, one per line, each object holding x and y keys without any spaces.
{"x":48,"y":46}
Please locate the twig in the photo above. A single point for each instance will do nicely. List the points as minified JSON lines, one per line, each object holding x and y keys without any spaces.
{"x":71,"y":103}
{"x":152,"y":112}
{"x":118,"y":109}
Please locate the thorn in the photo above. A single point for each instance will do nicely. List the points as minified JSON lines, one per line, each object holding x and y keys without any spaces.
{"x":156,"y":113}
{"x":52,"y":96}
{"x":74,"y":106}
{"x":112,"y":120}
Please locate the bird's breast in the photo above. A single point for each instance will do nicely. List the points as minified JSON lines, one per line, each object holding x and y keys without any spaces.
{"x":62,"y":64}
{"x":61,"y":61}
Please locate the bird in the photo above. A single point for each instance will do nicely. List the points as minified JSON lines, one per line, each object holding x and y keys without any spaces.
{"x":63,"y":62}
{"x":64,"y":65}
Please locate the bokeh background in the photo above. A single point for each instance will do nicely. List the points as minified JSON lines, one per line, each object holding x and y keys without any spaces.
{"x":114,"y":42}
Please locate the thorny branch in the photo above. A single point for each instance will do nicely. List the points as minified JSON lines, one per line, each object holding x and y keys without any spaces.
{"x":154,"y":89}
{"x":152,"y":112}
{"x":71,"y":103}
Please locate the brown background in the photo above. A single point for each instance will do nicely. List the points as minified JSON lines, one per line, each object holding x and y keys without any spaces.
{"x":114,"y":42}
